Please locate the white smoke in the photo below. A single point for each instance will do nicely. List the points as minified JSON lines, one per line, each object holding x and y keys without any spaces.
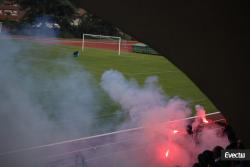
{"x":141,"y":101}
{"x":37,"y":107}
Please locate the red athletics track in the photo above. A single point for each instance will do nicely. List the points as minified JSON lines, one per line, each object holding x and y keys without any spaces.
{"x":126,"y":46}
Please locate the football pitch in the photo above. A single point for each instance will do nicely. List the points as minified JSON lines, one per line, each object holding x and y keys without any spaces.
{"x":96,"y":61}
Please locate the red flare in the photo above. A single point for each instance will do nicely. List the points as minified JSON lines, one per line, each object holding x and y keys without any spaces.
{"x":167,"y":153}
{"x":205,"y":120}
{"x":175,"y":131}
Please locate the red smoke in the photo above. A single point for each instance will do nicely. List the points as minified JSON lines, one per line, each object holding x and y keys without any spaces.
{"x":179,"y":148}
{"x":169,"y":142}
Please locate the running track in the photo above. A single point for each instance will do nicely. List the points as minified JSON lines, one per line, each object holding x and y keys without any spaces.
{"x":126,"y":46}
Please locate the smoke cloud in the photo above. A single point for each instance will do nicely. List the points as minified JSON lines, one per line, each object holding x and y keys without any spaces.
{"x":42,"y":104}
{"x":149,"y":107}
{"x":38,"y":107}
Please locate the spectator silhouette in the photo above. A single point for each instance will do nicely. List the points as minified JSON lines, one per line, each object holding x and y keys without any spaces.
{"x":230,"y":134}
{"x":189,"y":129}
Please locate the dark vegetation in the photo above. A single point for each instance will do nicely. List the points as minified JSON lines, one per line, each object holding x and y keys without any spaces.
{"x":63,"y":13}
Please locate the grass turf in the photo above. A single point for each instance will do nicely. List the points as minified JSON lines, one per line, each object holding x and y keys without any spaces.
{"x":132,"y":65}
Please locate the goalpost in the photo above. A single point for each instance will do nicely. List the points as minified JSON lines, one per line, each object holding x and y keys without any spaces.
{"x":103,"y":41}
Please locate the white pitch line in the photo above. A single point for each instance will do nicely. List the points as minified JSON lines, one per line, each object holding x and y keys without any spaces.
{"x":107,"y":144}
{"x":91,"y":137}
{"x":104,"y":145}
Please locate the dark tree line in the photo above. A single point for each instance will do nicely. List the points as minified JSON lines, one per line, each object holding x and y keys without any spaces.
{"x":94,"y":25}
{"x":63,"y":12}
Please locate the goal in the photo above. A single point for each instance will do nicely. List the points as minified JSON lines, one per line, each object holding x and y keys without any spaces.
{"x":101,"y":42}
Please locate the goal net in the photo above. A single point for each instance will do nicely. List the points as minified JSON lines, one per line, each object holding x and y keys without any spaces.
{"x":101,"y":42}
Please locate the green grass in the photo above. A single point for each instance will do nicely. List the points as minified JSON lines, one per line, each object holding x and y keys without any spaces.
{"x":140,"y":66}
{"x":132,"y":65}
